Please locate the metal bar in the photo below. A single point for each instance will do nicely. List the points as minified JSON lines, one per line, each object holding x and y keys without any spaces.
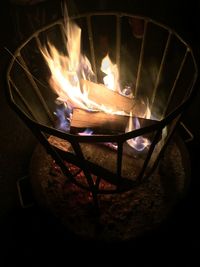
{"x":160,"y":70}
{"x":38,"y":41}
{"x":60,"y":21}
{"x":119,"y":159}
{"x":106,"y":138}
{"x":56,"y":156}
{"x":36,"y":89}
{"x":83,"y":164}
{"x":22,"y":99}
{"x":90,"y":36}
{"x":166,"y":142}
{"x":97,"y":183}
{"x":190,"y":134}
{"x":118,"y":42}
{"x":63,"y":33}
{"x":174,"y":85}
{"x":14,"y":59}
{"x":150,"y":152}
{"x":140,"y":59}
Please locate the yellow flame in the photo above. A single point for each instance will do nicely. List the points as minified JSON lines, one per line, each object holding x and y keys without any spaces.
{"x":66,"y":71}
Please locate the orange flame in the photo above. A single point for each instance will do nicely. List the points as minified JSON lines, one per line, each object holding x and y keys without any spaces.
{"x":65,"y":69}
{"x":68,"y":70}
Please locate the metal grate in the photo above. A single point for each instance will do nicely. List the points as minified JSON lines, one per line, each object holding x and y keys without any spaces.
{"x":160,"y":67}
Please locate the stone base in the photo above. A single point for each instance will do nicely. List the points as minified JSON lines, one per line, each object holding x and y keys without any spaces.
{"x":122,"y":216}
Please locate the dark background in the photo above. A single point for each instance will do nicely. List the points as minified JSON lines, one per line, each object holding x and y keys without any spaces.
{"x":31,"y":237}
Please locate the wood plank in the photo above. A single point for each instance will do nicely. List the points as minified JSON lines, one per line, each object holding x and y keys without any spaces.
{"x":109,"y":98}
{"x":101,"y":122}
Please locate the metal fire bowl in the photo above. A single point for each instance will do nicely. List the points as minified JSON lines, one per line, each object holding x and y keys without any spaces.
{"x":153,"y":59}
{"x":122,"y":216}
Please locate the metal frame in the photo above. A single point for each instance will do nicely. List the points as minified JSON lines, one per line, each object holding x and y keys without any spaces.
{"x":42,"y":131}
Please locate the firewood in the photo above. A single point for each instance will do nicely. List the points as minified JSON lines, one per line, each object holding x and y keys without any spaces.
{"x":109,"y":98}
{"x":101,"y":122}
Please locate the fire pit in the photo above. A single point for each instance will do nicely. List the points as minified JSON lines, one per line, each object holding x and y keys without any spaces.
{"x":103,"y":93}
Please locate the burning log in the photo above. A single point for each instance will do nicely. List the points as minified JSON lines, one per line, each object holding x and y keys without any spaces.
{"x":101,"y":122}
{"x":109,"y":98}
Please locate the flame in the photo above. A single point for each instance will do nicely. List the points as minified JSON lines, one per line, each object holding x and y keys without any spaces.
{"x":68,"y":70}
{"x":65,"y":70}
{"x":112,"y":74}
{"x":63,"y":115}
{"x":139,"y":143}
{"x":86,"y":132}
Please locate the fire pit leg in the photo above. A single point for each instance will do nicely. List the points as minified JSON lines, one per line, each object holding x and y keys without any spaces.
{"x":88,"y":176}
